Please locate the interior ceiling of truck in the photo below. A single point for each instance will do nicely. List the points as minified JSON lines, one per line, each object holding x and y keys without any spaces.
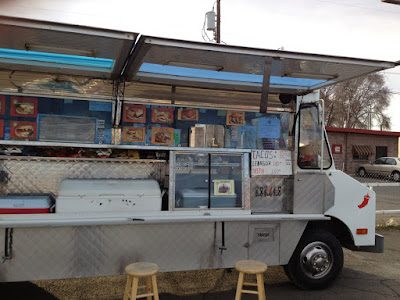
{"x":172,"y":69}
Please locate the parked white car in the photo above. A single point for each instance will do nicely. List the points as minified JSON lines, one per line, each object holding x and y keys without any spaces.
{"x":384,"y":166}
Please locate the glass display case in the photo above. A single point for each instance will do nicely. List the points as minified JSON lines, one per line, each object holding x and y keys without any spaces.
{"x":206,"y":180}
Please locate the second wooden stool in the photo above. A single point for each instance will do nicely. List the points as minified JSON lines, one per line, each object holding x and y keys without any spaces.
{"x":141,"y":270}
{"x":251,"y":267}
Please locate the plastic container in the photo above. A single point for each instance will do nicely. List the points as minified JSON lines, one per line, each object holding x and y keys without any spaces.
{"x":25,"y":204}
{"x":198,"y":198}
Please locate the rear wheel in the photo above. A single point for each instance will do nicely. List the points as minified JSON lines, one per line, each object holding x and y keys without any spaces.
{"x":396,"y":176}
{"x":361,"y":172}
{"x":317,"y":260}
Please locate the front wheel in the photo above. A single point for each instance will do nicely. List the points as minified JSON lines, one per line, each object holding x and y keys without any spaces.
{"x":361,"y":172}
{"x":317,"y":260}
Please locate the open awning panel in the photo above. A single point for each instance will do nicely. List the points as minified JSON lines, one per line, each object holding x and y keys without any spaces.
{"x":202,"y":70}
{"x":204,"y":65}
{"x":37,"y":46}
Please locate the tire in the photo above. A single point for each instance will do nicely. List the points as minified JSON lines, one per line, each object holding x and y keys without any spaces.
{"x":396,"y":176}
{"x":361,"y":172}
{"x":316,"y":262}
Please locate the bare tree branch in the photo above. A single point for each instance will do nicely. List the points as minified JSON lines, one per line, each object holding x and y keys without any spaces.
{"x":358,"y":103}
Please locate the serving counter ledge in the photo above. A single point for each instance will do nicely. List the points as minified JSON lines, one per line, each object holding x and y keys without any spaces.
{"x":54,"y":220}
{"x":122,"y":147}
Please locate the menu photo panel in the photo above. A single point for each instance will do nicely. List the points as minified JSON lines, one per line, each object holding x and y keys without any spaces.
{"x":23,"y":107}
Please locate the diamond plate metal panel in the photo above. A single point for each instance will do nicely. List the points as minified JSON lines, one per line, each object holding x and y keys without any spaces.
{"x":84,"y":251}
{"x":68,"y":252}
{"x":308,"y":193}
{"x":290,"y":234}
{"x":236,"y":236}
{"x":35,"y":251}
{"x":45,"y":176}
{"x":271,"y":194}
{"x":264,"y":242}
{"x":329,"y":194}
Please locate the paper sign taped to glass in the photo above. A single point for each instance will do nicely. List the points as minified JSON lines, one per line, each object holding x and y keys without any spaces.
{"x":271,"y":162}
{"x":269,"y":128}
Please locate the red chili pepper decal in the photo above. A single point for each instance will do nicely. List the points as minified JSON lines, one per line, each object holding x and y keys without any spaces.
{"x":365,"y":202}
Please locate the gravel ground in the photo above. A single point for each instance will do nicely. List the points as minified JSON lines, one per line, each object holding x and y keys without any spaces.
{"x":203,"y":284}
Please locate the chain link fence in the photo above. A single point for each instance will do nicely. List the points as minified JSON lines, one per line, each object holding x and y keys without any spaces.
{"x":378,"y":176}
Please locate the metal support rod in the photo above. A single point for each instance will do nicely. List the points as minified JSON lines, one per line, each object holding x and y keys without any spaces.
{"x":173,"y":94}
{"x":118,"y":94}
{"x":222,"y":248}
{"x":119,"y":90}
{"x":209,"y":180}
{"x":265,"y":85}
{"x":321,"y":120}
{"x":8,"y":244}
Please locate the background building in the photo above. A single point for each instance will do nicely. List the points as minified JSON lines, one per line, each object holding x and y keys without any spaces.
{"x":353,"y":147}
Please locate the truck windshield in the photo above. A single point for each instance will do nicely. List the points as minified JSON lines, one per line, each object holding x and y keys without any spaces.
{"x":310,"y":140}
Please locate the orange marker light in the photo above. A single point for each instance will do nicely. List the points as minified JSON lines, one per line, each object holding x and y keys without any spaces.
{"x":362,"y":231}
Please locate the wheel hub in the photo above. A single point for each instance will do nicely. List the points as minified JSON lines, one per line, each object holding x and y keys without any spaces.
{"x":316,"y":260}
{"x":396,"y":176}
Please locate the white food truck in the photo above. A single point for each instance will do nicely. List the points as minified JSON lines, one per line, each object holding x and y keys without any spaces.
{"x":118,"y":148}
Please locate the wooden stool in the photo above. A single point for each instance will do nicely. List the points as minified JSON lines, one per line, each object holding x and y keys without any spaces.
{"x":251,"y":267}
{"x":139,"y":270}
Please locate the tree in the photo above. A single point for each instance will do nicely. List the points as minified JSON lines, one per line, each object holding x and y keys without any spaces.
{"x":357,"y":103}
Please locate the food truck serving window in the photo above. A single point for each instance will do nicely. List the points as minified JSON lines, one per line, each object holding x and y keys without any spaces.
{"x":204,"y":180}
{"x":310,"y":140}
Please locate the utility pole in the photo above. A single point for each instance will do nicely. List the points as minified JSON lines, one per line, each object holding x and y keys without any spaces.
{"x":218,"y":40}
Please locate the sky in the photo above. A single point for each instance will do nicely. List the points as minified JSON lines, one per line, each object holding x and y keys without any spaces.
{"x":353,"y":28}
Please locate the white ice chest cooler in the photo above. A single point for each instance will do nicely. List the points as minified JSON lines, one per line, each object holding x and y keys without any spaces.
{"x":108,"y":195}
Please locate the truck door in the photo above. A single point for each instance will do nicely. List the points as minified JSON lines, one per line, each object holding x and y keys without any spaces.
{"x":309,"y":147}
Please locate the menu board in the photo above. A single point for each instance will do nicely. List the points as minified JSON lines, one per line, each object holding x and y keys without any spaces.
{"x":67,"y":129}
{"x":271,"y":162}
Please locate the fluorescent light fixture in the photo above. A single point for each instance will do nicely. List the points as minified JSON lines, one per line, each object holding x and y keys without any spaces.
{"x":309,"y":75}
{"x":59,"y":50}
{"x":54,"y":60}
{"x":195,"y":66}
{"x":184,"y":72}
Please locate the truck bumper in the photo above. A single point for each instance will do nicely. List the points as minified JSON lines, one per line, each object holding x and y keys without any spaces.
{"x":378,"y":248}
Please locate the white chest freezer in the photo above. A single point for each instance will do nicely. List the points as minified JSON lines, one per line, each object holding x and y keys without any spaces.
{"x":108,"y":195}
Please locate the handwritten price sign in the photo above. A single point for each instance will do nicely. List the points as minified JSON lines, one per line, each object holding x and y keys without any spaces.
{"x":271,"y":162}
